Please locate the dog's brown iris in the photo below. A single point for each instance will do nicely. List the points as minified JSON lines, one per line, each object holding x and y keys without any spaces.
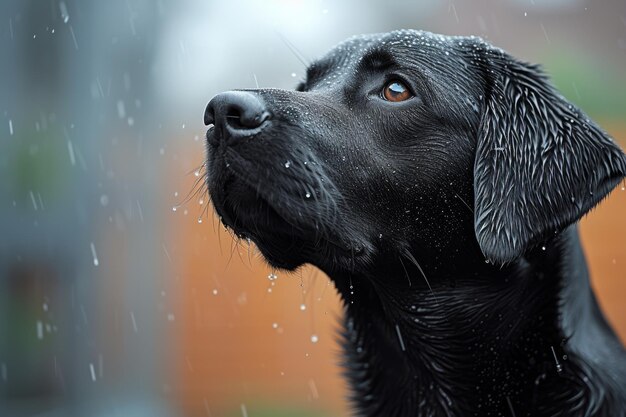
{"x":396,"y":91}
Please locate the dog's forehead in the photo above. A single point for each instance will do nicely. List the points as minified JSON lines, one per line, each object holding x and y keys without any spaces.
{"x":411,"y":45}
{"x":400,"y":41}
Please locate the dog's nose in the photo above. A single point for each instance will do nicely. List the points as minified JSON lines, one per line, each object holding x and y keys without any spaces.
{"x":240,"y":112}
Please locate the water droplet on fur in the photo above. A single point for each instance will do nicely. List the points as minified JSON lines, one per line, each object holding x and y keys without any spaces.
{"x":287,"y":164}
{"x":272,"y":277}
{"x":199,"y":219}
{"x":174,"y":208}
{"x":308,"y":195}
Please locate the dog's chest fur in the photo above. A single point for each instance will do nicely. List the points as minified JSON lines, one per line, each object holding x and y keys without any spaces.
{"x":476,"y":347}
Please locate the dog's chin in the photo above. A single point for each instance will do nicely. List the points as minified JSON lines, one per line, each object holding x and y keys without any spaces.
{"x":285,"y":239}
{"x":251,"y":217}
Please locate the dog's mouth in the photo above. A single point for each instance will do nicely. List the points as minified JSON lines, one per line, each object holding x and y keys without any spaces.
{"x":285,"y":204}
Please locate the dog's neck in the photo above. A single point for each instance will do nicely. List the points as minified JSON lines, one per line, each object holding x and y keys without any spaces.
{"x":478,"y":338}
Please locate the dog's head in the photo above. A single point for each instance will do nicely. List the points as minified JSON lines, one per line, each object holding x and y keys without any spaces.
{"x":402,"y":141}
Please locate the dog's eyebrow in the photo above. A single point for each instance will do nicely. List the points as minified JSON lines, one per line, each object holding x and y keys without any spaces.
{"x":314,"y":73}
{"x":376,"y":59}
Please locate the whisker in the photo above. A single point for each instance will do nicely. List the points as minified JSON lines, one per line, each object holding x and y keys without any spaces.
{"x":405,"y":271}
{"x":293,"y":50}
{"x":463,"y":201}
{"x":411,"y":258}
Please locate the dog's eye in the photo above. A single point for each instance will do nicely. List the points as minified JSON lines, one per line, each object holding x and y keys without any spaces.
{"x":396,"y":91}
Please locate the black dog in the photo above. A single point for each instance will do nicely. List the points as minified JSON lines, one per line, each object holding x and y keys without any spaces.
{"x":436,"y":180}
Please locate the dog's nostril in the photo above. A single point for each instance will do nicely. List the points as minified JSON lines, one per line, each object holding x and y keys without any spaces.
{"x":238,"y":118}
{"x":237,"y":110}
{"x":209,"y":118}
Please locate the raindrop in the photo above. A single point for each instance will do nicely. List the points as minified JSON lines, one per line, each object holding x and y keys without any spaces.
{"x":274,"y":325}
{"x":39,"y":330}
{"x":302,"y":307}
{"x":199,"y":219}
{"x":121,"y":109}
{"x":11,"y":127}
{"x":95,"y":256}
{"x":293,"y":74}
{"x":272,"y":277}
{"x":170,"y":317}
{"x":104,"y":200}
{"x":133,"y":321}
{"x":314,"y":338}
{"x":308,"y":195}
{"x":64,"y":14}
{"x":174,"y":208}
{"x":214,"y":291}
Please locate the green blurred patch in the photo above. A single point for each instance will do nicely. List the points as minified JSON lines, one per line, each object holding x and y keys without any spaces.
{"x":595,"y":85}
{"x":41,"y":164}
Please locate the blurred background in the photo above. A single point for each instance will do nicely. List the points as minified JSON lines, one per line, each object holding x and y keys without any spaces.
{"x":120,"y":293}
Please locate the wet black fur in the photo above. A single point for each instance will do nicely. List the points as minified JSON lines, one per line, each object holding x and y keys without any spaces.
{"x":446,"y":222}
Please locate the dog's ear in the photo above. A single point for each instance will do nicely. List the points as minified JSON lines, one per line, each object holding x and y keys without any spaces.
{"x":540,"y":162}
